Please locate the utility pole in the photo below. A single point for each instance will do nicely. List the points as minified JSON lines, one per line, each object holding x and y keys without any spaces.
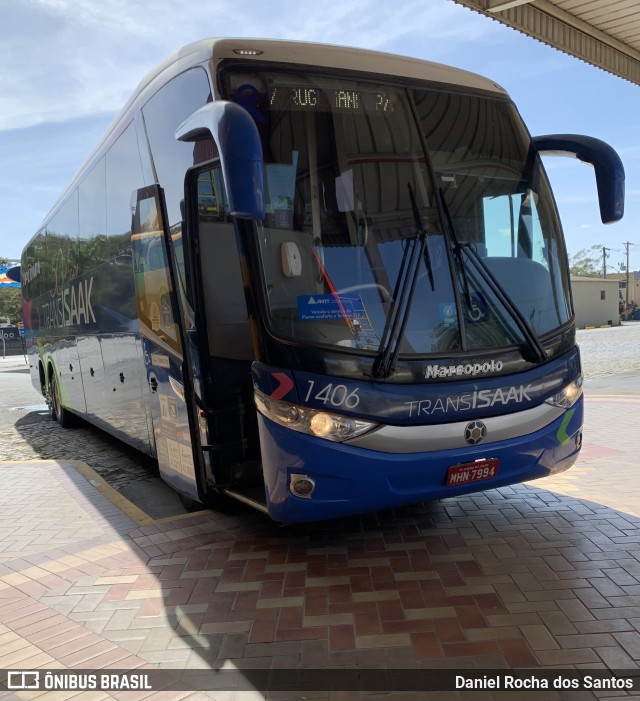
{"x":626,"y":245}
{"x":604,"y":261}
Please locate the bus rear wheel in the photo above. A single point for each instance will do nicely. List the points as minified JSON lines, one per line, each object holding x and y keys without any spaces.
{"x":57,"y":412}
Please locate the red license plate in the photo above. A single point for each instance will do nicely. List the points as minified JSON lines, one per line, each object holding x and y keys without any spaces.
{"x":472,"y":472}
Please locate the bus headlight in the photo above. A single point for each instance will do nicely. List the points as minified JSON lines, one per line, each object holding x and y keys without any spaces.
{"x":567,"y":396}
{"x":315,"y":422}
{"x":321,"y":424}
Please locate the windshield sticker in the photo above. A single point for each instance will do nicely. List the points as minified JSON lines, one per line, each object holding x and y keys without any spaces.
{"x":332,"y":306}
{"x":448,"y":315}
{"x":479,"y":310}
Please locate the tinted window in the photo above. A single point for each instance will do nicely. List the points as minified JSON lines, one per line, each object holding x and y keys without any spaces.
{"x":62,"y":244}
{"x":93,"y":245}
{"x":499,"y":202}
{"x":163,"y":114}
{"x":353,"y":238}
{"x":123,"y":179}
{"x":65,"y":221}
{"x":35,"y":269}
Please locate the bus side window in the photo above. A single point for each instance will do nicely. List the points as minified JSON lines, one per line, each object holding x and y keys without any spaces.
{"x":123,"y":175}
{"x":162,"y":115}
{"x":152,"y":280}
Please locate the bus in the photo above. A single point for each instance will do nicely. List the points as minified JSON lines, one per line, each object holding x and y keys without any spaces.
{"x":320,"y":280}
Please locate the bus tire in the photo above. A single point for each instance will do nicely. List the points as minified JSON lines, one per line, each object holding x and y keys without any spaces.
{"x":63,"y":416}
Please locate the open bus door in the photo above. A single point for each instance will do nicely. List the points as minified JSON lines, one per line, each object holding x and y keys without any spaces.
{"x":224,"y":346}
{"x":169,"y":375}
{"x":221,"y":344}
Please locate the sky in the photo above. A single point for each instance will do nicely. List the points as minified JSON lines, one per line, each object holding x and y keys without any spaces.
{"x":68,"y":66}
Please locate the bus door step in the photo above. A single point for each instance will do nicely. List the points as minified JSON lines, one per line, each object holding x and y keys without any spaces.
{"x":230,"y":445}
{"x":253,"y":496}
{"x":226,"y":453}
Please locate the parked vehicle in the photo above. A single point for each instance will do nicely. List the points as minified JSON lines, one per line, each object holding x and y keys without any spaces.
{"x":319,"y":280}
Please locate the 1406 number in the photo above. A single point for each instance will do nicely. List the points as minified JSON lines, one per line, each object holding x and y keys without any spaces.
{"x":335,"y":395}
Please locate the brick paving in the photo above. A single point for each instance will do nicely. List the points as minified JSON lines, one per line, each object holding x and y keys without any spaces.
{"x":531,"y":576}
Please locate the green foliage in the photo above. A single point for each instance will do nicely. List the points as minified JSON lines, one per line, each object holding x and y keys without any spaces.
{"x":587,"y":262}
{"x":10,"y":304}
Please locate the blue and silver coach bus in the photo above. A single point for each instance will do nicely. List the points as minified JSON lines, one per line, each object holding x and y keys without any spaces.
{"x":317,"y":279}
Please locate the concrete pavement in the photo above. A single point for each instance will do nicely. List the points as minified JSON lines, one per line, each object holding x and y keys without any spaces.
{"x":532,"y":576}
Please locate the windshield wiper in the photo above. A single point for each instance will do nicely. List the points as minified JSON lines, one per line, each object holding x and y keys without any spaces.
{"x":536,"y":352}
{"x":403,"y":292}
{"x":457,"y":250}
{"x":533,"y":351}
{"x":420,"y":228}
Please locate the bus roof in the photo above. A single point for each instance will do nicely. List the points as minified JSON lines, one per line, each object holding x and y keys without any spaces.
{"x":274,"y":51}
{"x":322,"y":55}
{"x":303,"y":53}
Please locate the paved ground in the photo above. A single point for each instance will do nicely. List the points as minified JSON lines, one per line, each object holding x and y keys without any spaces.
{"x":27,"y":433}
{"x":610,"y":351}
{"x":532,"y":576}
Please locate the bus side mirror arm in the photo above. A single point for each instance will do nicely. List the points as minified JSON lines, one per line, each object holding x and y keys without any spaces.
{"x":604,"y":159}
{"x":238,"y":142}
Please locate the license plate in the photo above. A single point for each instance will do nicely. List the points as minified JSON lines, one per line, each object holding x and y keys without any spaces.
{"x":472,"y":471}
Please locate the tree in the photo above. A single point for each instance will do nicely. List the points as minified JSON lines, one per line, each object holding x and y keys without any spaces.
{"x":587,"y":262}
{"x":10,"y":304}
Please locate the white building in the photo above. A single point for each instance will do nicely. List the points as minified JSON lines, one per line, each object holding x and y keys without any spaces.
{"x":595,"y":300}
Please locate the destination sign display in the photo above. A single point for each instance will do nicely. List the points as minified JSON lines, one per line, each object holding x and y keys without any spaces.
{"x":310,"y":98}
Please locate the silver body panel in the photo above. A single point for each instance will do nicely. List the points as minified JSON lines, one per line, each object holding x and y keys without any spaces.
{"x":449,"y":436}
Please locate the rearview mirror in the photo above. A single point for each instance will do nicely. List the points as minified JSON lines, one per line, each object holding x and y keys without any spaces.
{"x":238,"y":142}
{"x":604,"y":159}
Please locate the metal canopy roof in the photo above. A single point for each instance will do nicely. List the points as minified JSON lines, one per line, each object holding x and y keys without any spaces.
{"x":605,"y":33}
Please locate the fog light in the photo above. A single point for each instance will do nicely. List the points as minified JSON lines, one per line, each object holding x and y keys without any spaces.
{"x":302,"y":486}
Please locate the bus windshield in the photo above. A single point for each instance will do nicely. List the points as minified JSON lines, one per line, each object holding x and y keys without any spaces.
{"x":378,"y":194}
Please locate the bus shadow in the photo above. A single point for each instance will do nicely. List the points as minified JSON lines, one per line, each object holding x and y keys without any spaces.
{"x":255,"y":596}
{"x":231,"y":590}
{"x":130,"y":472}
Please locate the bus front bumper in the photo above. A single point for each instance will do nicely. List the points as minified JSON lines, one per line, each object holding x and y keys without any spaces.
{"x":349,"y":480}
